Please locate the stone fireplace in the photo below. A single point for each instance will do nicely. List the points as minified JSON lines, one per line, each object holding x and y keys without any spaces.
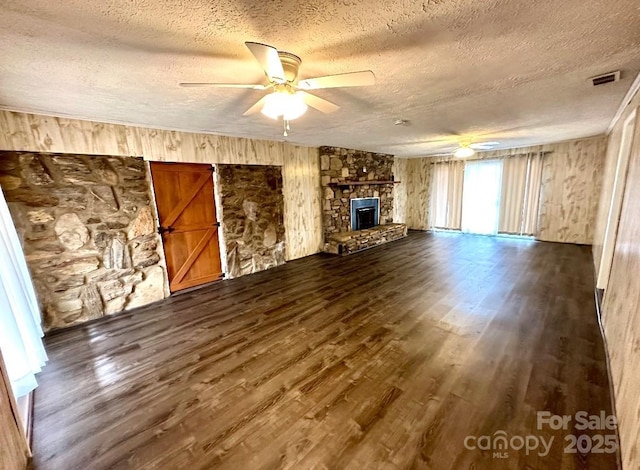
{"x":358,"y":200}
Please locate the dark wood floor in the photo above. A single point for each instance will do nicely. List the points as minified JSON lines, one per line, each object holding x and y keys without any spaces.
{"x":388,"y":358}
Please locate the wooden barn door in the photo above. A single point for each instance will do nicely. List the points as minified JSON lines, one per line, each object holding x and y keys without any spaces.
{"x":188,"y":224}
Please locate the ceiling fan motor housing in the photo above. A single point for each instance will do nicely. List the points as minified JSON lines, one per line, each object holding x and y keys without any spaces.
{"x":290,"y":65}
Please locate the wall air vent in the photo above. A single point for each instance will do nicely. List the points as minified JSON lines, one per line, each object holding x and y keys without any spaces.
{"x":605,"y":78}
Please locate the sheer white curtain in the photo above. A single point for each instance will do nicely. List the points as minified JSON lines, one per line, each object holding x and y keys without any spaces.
{"x":532,"y":195}
{"x":439,"y":197}
{"x":514,"y":186}
{"x":481,"y":198}
{"x":446,"y":195}
{"x":455,"y":190}
{"x":20,"y":329}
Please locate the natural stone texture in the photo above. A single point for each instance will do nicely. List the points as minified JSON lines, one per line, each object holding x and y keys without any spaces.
{"x":145,"y":259}
{"x":116,"y":224}
{"x":68,"y":305}
{"x":73,"y":198}
{"x":324,"y":162}
{"x":270,"y":236}
{"x":252,"y":215}
{"x":69,"y":267}
{"x":71,"y":232}
{"x":67,"y":283}
{"x":250,"y":209}
{"x":114,"y":306}
{"x":104,"y":274}
{"x":149,"y":290}
{"x":103,"y":200}
{"x":91,"y":303}
{"x":8,"y":182}
{"x":33,"y":170}
{"x":145,"y":251}
{"x":32,"y":197}
{"x":116,"y":254}
{"x":39,"y":216}
{"x":142,"y":224}
{"x":117,"y":288}
{"x":336,"y":163}
{"x":103,"y":171}
{"x":344,"y":243}
{"x":354,"y":165}
{"x":88,"y":232}
{"x":74,"y":169}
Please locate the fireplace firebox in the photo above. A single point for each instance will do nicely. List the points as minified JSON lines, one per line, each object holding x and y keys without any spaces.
{"x":365,"y":213}
{"x":365,"y":217}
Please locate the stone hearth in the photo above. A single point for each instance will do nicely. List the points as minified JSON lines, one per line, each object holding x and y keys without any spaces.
{"x":344,"y":243}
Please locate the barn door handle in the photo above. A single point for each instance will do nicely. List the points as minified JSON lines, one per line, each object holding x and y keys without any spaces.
{"x":162,"y":230}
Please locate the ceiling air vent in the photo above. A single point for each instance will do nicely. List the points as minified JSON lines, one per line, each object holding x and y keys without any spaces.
{"x":605,"y":78}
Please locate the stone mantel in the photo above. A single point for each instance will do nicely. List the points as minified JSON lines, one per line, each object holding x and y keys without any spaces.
{"x":362,"y":183}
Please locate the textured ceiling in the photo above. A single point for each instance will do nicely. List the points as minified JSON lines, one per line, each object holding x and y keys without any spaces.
{"x":505,"y":70}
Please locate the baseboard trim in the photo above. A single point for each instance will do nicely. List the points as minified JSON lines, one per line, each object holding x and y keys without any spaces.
{"x":598,"y":293}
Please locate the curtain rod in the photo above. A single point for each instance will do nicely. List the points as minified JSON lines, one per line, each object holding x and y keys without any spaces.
{"x":497,"y":157}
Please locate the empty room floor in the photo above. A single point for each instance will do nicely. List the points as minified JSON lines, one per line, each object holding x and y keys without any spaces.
{"x":402,"y":356}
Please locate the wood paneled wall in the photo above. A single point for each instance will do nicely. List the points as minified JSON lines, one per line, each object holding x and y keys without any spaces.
{"x":302,"y":201}
{"x":621,"y":306}
{"x":418,"y":187}
{"x":33,"y":132}
{"x":400,"y":190}
{"x":572,"y":177}
{"x":570,"y":191}
{"x":14,"y":451}
{"x":301,"y":167}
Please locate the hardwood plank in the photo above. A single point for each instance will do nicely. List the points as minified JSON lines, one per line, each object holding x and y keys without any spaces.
{"x":387,"y":358}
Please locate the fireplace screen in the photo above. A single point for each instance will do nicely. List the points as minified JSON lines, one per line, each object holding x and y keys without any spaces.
{"x":365,"y":217}
{"x":365,"y":212}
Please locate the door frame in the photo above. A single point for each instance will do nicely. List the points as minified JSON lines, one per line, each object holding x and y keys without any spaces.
{"x":615,"y":203}
{"x":222,"y":246}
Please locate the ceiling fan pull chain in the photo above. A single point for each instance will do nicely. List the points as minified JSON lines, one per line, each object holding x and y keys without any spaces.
{"x":285,"y":125}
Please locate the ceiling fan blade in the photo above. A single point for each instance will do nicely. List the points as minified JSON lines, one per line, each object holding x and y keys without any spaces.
{"x":256,"y":107}
{"x":363,"y":78}
{"x":224,"y":85}
{"x":319,"y":103}
{"x":484,"y":145}
{"x":269,"y":59}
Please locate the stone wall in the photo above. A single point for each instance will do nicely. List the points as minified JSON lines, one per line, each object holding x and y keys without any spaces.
{"x":88,"y":233}
{"x":339,"y":165}
{"x":252,"y":217}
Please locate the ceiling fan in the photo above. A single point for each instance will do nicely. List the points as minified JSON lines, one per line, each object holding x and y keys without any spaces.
{"x":289,"y":98}
{"x":466,"y":149}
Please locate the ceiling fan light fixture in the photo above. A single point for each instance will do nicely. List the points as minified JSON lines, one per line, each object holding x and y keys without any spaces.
{"x":464,"y":152}
{"x":282,"y":103}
